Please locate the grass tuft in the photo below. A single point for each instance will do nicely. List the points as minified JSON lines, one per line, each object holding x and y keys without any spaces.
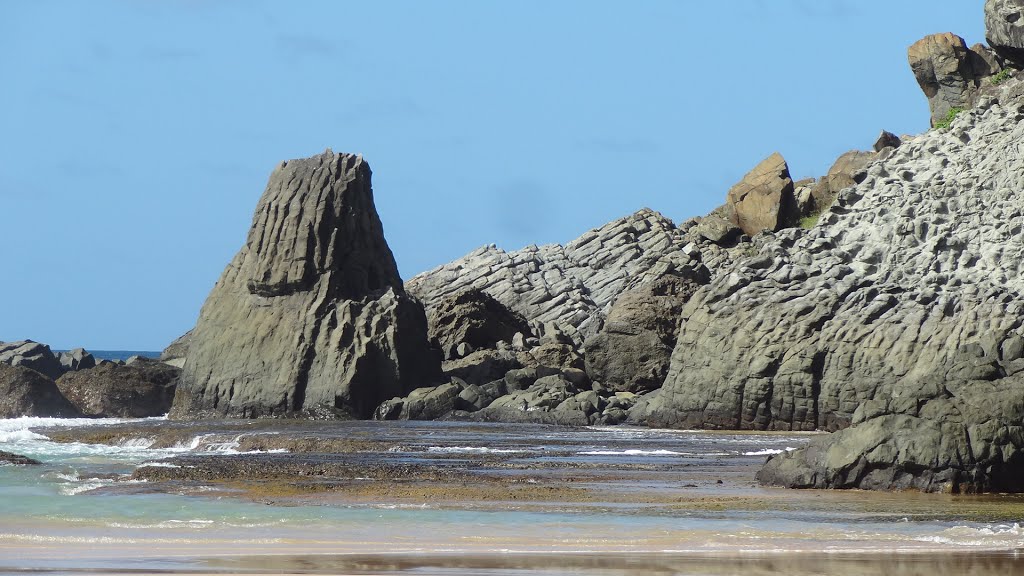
{"x":950,"y":116}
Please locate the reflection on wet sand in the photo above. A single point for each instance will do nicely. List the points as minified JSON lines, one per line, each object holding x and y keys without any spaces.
{"x":781,"y":564}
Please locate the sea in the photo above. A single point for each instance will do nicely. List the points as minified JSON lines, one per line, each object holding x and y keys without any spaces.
{"x":662,"y":502}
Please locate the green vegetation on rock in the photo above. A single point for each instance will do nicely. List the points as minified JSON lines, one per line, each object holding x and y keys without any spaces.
{"x":950,"y":116}
{"x":1001,"y":77}
{"x":810,"y":221}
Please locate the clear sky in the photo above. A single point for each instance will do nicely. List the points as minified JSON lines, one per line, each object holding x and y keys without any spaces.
{"x":137,"y":136}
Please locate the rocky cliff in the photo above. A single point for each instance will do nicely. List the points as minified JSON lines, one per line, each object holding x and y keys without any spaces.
{"x":901,"y":311}
{"x":310,"y":317}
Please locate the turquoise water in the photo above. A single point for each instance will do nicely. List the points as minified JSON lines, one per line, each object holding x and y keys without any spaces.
{"x":80,"y":510}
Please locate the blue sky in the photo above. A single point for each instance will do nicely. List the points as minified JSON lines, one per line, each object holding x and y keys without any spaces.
{"x":138,"y":136}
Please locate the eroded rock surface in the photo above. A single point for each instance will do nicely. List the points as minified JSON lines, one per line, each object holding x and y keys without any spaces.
{"x":1004,"y":28}
{"x":904,"y":303}
{"x":310,"y":318}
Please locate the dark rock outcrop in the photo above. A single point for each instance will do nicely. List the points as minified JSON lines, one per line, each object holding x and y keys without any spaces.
{"x":1004,"y":28}
{"x":949,"y":72}
{"x":310,"y":318}
{"x":17,"y":459}
{"x":472,"y":318}
{"x":25,"y":392}
{"x":633,"y":349}
{"x":763,"y":199}
{"x":32,"y":355}
{"x":141,"y":389}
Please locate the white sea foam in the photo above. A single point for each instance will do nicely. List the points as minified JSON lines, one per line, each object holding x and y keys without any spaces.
{"x":636,"y":452}
{"x":768,"y":451}
{"x":472,"y":450}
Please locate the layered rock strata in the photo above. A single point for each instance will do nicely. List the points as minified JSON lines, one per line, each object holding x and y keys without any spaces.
{"x":570,"y":285}
{"x":311,"y":317}
{"x":900,"y":312}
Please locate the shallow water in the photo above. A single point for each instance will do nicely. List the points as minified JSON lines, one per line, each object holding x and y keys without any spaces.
{"x":646,"y":501}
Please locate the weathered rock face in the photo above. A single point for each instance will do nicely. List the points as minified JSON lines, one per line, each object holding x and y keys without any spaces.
{"x":472,"y":318}
{"x":948,"y":72}
{"x":764,"y":199}
{"x":1004,"y":28}
{"x":142,"y":389}
{"x":177,"y":351}
{"x":633,"y":349}
{"x":904,"y":305}
{"x":32,"y":355}
{"x":569,"y":285}
{"x":25,"y":392}
{"x":310,"y":318}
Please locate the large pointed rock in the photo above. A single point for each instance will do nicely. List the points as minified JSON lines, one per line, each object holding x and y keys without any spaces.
{"x":949,"y":72}
{"x":310,"y":318}
{"x":764,"y":199}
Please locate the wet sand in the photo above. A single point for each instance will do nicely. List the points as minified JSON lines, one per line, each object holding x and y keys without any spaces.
{"x":432,"y":498}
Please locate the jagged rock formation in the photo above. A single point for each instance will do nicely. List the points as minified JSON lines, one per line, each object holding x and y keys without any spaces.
{"x":816,"y":196}
{"x":32,"y":355}
{"x":904,"y":305}
{"x":77,"y":359}
{"x":473,"y":319}
{"x":310,"y":318}
{"x":141,"y":389}
{"x":949,"y":73}
{"x":763,"y":199}
{"x":25,"y":392}
{"x":633,"y":349}
{"x":1004,"y":28}
{"x":569,"y":285}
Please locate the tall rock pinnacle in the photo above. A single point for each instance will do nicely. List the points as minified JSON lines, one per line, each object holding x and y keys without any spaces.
{"x":310,"y":317}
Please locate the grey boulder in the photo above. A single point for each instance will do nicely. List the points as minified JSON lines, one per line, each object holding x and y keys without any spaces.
{"x":633,"y":350}
{"x":77,"y":359}
{"x":32,"y":355}
{"x":25,"y":392}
